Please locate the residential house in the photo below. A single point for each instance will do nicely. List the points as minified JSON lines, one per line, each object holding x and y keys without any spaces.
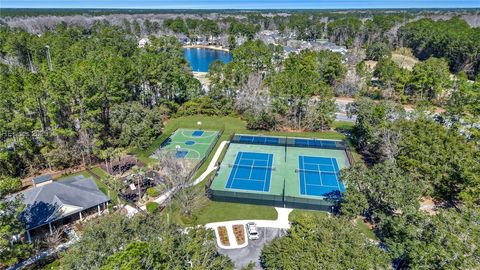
{"x":58,"y":203}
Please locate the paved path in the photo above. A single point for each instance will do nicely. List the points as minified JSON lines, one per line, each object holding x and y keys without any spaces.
{"x":280,"y":223}
{"x":341,"y":114}
{"x":211,"y":167}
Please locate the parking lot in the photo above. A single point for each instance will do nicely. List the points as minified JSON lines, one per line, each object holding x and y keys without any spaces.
{"x":243,"y":256}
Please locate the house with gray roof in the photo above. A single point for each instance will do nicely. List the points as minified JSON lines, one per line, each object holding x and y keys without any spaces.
{"x":61,"y":202}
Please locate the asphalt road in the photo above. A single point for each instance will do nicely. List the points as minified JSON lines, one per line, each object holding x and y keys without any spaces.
{"x":243,"y":256}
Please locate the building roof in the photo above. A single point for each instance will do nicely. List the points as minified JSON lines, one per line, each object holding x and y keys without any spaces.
{"x":41,"y":179}
{"x":60,"y":199}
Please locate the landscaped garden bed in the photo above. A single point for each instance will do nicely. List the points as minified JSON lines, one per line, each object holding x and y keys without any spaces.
{"x":222,"y":233}
{"x":239,"y":231}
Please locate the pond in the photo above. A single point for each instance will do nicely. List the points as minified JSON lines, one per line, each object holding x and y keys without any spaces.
{"x":201,"y":58}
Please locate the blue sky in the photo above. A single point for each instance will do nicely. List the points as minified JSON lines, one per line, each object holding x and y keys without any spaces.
{"x":239,"y":4}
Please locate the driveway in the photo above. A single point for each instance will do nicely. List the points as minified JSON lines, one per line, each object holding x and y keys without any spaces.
{"x":243,"y":256}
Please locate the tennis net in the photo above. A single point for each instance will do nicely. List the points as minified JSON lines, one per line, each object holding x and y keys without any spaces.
{"x":251,"y":167}
{"x":316,"y":171}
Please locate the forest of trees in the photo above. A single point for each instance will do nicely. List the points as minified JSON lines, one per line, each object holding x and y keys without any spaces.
{"x":73,"y":93}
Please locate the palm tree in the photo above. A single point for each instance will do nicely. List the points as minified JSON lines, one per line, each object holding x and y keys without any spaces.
{"x":138,"y":174}
{"x":115,"y":183}
{"x":118,"y":154}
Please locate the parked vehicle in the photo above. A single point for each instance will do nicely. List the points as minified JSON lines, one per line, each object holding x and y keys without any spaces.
{"x":252,"y":231}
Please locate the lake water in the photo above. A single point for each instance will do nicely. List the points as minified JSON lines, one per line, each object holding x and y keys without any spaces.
{"x":201,"y":58}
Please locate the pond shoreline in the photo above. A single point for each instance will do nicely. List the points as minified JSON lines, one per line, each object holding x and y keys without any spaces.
{"x":211,"y":47}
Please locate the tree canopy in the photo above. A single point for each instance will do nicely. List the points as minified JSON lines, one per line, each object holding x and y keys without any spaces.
{"x":117,"y":242}
{"x":323,"y":243}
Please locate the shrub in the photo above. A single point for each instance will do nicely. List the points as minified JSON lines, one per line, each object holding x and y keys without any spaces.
{"x":378,"y":51}
{"x":202,"y":106}
{"x":152,"y":207}
{"x":261,"y":121}
{"x":152,"y":192}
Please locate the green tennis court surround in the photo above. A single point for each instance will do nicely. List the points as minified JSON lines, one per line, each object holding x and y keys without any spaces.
{"x":280,"y":171}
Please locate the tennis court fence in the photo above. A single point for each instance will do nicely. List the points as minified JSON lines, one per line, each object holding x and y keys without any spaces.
{"x":288,"y":141}
{"x":280,"y":200}
{"x":207,"y":154}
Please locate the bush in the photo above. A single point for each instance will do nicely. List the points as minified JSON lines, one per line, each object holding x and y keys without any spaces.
{"x":203,"y":106}
{"x":262,"y":121}
{"x":378,"y":51}
{"x":152,"y":192}
{"x":152,"y":207}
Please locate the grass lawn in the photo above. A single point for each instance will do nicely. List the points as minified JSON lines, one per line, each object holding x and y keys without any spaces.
{"x":214,"y":211}
{"x":365,"y":229}
{"x":296,"y":213}
{"x":343,"y":125}
{"x":98,"y":171}
{"x":208,"y":211}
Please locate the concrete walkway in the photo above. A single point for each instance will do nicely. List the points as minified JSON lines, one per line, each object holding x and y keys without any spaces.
{"x":211,"y":167}
{"x":280,"y":223}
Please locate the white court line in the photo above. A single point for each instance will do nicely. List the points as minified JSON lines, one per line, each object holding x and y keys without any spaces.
{"x":273,"y":159}
{"x":246,"y":179}
{"x":304,"y":176}
{"x":235,"y":174}
{"x":320,"y":185}
{"x":265,"y":177}
{"x":336,"y":176}
{"x":172,"y":142}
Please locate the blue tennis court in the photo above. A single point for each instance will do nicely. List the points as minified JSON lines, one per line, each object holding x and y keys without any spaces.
{"x":260,"y":140}
{"x":251,"y":171}
{"x":314,"y":143}
{"x":319,"y":176}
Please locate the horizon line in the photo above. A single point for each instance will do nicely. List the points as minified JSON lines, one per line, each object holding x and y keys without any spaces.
{"x":246,"y":9}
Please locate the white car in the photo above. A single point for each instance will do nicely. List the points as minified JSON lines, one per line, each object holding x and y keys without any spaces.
{"x":252,"y":231}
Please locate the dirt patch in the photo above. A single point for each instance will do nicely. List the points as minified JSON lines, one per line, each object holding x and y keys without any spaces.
{"x":239,"y":232}
{"x":222,"y":233}
{"x":371,"y":64}
{"x":428,"y":205}
{"x":404,"y":58}
{"x":121,"y":165}
{"x":366,"y":222}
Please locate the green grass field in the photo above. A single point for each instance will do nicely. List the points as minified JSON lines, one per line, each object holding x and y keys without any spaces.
{"x":296,"y":213}
{"x":208,"y":211}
